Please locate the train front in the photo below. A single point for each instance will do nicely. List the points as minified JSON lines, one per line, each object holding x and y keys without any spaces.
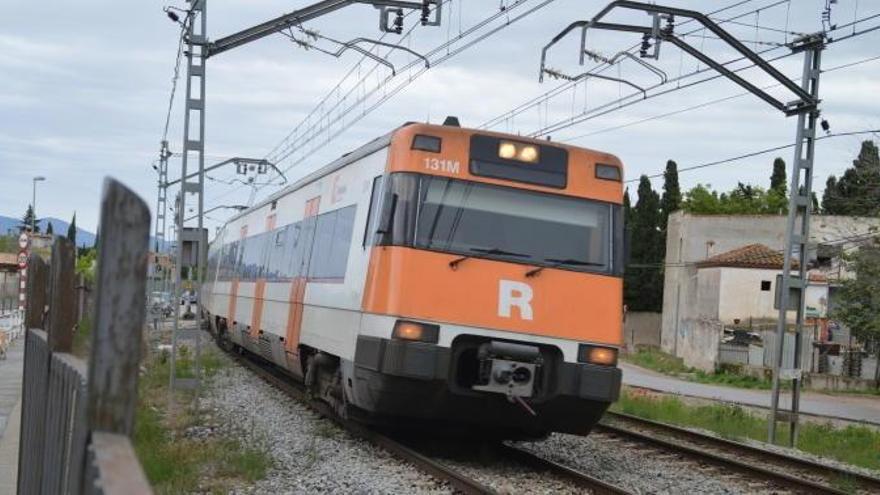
{"x":493,"y":298}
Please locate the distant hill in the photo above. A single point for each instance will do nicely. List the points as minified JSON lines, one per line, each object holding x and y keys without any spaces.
{"x":83,"y":237}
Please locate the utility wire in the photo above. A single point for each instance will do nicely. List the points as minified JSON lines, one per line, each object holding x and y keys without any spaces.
{"x":705,"y":104}
{"x":540,"y":99}
{"x":758,"y":152}
{"x":636,"y":97}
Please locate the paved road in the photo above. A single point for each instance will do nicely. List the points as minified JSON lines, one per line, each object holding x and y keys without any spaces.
{"x":856,"y":408}
{"x":10,"y":395}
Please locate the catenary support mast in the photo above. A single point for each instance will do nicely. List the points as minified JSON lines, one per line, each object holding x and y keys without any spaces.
{"x":805,"y":106}
{"x":797,"y":236}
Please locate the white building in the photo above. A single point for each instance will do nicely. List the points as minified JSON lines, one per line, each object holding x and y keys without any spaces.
{"x":698,"y":295}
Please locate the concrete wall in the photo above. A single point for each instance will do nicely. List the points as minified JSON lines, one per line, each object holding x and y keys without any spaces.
{"x":641,"y":328}
{"x":741,"y":296}
{"x":698,"y":343}
{"x":693,"y":238}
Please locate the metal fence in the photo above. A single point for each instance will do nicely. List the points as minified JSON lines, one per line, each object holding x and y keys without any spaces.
{"x":77,"y":418}
{"x":12,"y":324}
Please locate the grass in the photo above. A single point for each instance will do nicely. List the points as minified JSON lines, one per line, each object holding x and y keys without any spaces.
{"x":856,"y":445}
{"x":657,"y":360}
{"x":175,"y":463}
{"x":82,"y":338}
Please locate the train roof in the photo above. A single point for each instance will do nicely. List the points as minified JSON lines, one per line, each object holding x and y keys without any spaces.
{"x":382,"y":142}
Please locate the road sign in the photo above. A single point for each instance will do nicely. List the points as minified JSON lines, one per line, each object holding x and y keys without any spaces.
{"x":22,"y":260}
{"x":23,"y":241}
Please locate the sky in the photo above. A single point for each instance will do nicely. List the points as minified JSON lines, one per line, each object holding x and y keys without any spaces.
{"x":84,"y":91}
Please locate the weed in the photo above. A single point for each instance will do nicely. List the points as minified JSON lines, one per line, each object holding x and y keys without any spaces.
{"x":857,"y":445}
{"x":174,"y":463}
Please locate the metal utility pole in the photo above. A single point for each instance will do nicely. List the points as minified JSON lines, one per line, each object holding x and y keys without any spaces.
{"x":805,"y":106}
{"x":797,"y":237}
{"x":198,"y":50}
{"x":196,"y":39}
{"x":161,"y":204}
{"x":38,"y":178}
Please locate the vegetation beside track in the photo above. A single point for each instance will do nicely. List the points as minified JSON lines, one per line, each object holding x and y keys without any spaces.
{"x":183,"y":452}
{"x":856,"y":445}
{"x":661,"y":362}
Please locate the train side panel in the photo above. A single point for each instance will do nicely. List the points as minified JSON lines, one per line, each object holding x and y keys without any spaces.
{"x":315,"y":303}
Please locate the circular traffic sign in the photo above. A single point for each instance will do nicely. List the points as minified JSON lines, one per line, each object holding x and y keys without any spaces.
{"x":23,"y":241}
{"x":22,"y":260}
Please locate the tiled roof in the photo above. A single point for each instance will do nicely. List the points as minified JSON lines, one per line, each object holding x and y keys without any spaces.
{"x":751,"y":256}
{"x":8,"y":259}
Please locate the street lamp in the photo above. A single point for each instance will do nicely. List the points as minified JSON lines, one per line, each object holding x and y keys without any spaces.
{"x":34,"y":204}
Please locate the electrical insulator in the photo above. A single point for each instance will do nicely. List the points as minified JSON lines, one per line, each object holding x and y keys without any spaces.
{"x":398,"y":22}
{"x":670,"y":24}
{"x":425,"y":11}
{"x":646,"y":44}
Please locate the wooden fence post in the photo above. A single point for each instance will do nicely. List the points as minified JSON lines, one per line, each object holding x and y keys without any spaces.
{"x":120,"y":309}
{"x":37,"y":291}
{"x":35,"y":381}
{"x":62,"y":316}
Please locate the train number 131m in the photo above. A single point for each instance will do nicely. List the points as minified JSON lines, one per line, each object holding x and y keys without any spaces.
{"x":436,"y":164}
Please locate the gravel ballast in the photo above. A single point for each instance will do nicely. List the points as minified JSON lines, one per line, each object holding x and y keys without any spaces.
{"x":640,"y":469}
{"x":310,"y":454}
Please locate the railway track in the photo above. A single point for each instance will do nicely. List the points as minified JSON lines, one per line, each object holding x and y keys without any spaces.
{"x":798,"y":474}
{"x":455,"y":478}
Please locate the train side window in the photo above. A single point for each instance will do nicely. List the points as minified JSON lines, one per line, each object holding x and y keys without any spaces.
{"x":319,"y":263}
{"x":332,"y":244}
{"x":373,"y":212}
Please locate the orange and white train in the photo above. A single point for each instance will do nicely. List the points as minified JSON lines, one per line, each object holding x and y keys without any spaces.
{"x":437,"y":276}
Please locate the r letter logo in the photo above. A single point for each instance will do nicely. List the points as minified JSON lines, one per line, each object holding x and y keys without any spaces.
{"x":511,"y":293}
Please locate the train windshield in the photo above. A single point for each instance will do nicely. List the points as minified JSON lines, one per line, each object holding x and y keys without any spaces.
{"x":503,"y":223}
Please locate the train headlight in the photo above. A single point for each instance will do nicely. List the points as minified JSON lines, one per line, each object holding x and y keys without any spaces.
{"x":415,"y":331}
{"x":604,"y":356}
{"x":521,"y":152}
{"x":528,"y":154}
{"x":507,"y":150}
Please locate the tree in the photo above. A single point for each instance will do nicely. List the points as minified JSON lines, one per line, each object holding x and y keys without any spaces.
{"x":671,"y":200}
{"x":830,"y":201}
{"x":856,"y":193}
{"x":643,"y":277}
{"x":777,"y":195}
{"x":28,"y":219}
{"x":50,"y":230}
{"x":71,"y":230}
{"x":778,"y":178}
{"x":857,"y":302}
{"x":627,"y":208}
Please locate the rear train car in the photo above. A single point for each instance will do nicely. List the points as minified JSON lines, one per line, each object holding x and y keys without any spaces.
{"x":437,"y":276}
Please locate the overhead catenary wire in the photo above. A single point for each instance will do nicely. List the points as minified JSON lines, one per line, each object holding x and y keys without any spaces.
{"x":599,"y":68}
{"x":634,"y":98}
{"x":449,"y":53}
{"x":704,"y":104}
{"x":756,"y":153}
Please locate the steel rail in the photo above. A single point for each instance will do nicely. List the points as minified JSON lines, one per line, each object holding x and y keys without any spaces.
{"x":756,"y":467}
{"x":866,"y":482}
{"x":582,"y":480}
{"x":438,"y":470}
{"x":429,"y":466}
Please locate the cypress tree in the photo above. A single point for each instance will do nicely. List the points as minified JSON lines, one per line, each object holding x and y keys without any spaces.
{"x":778,"y":178}
{"x":71,"y":230}
{"x":643,"y":278}
{"x":49,"y":229}
{"x":671,"y":200}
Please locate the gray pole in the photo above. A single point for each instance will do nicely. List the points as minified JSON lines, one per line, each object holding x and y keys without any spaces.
{"x":193,"y":144}
{"x":797,"y":236}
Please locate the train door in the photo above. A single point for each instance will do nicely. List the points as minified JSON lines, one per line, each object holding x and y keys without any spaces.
{"x":304,"y":237}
